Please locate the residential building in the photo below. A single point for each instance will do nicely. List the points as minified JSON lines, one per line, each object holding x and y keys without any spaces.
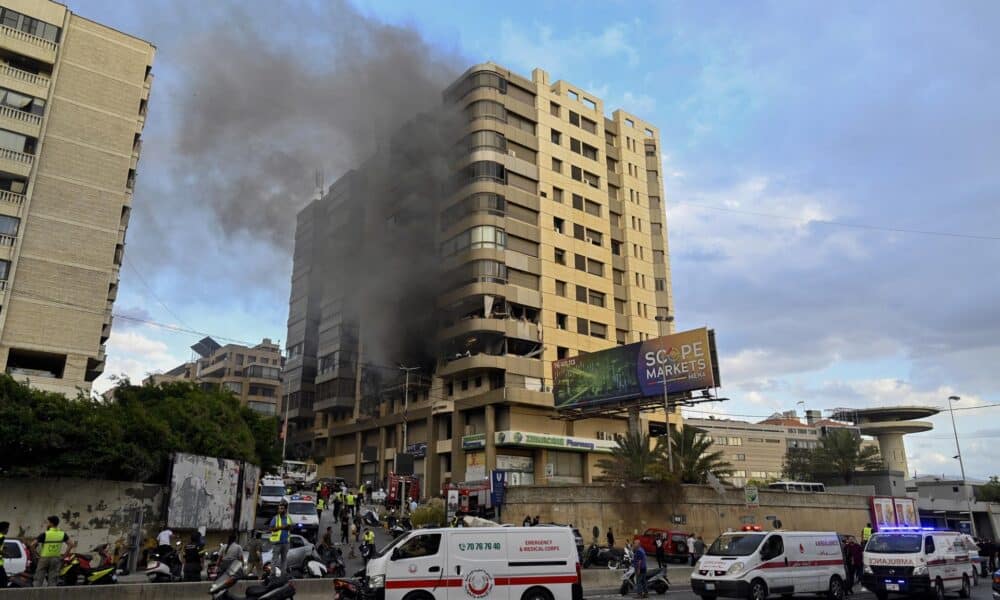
{"x":252,"y":374}
{"x":553,"y":243}
{"x":73,"y":100}
{"x":757,"y":451}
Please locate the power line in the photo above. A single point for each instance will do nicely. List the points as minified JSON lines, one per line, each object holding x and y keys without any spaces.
{"x":149,"y":288}
{"x":887,"y":229}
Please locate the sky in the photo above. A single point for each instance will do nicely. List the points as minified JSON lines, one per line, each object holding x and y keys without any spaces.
{"x":831,"y":174}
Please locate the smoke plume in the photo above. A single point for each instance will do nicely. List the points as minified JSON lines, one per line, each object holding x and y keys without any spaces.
{"x":270,"y":106}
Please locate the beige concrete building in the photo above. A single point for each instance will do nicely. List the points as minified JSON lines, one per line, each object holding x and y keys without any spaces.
{"x":757,"y":451}
{"x":556,"y":238}
{"x":253,"y":374}
{"x":73,"y":98}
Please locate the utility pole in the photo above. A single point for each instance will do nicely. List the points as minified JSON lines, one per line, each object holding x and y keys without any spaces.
{"x":961,"y":465}
{"x":284,"y":431}
{"x":666,"y":422}
{"x":406,"y":399}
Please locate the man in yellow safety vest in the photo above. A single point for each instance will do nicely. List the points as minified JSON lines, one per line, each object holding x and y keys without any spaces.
{"x":280,"y":524}
{"x":351,"y":499}
{"x":866,"y":533}
{"x":50,"y":556}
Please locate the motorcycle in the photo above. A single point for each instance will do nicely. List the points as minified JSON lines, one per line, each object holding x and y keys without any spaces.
{"x":601,"y":557}
{"x":371,"y":519}
{"x":166,"y":567}
{"x":94,"y":572}
{"x":656,"y":581}
{"x":274,"y":585}
{"x":400,"y":527}
{"x":311,"y":565}
{"x":212,"y":571}
{"x":333,"y":558}
{"x":348,"y":589}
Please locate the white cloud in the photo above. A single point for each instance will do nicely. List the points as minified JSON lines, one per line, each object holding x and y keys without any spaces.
{"x":526,"y":47}
{"x":133,"y":354}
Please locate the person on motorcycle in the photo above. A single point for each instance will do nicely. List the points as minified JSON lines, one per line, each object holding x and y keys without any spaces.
{"x":191,"y":558}
{"x":639,"y":562}
{"x":233,"y":552}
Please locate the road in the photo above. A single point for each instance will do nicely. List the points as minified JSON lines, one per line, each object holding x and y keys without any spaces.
{"x":683,"y":592}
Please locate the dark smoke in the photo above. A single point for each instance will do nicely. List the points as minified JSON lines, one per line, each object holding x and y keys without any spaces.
{"x":270,"y":107}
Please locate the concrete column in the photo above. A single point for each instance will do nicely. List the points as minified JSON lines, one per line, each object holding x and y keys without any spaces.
{"x":491,"y":447}
{"x":588,"y":472}
{"x":357,"y":458}
{"x":457,"y":454}
{"x":381,"y":455}
{"x":633,"y":420}
{"x":541,"y":457}
{"x":890,"y":446}
{"x":432,"y":462}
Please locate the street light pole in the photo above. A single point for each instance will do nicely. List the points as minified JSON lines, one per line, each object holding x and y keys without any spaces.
{"x":666,"y":423}
{"x":961,"y":464}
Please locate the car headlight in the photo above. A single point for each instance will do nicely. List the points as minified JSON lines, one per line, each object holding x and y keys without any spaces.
{"x":735,"y":568}
{"x":921,"y":570}
{"x":376,"y":581}
{"x":868,"y":570}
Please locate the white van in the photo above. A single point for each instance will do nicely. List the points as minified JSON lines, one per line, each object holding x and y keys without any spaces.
{"x":463,"y":563}
{"x":915,"y":561}
{"x":757,"y":564}
{"x":272,"y":492}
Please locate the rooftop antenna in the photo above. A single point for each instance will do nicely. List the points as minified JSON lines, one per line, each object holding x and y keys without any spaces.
{"x":319,"y":184}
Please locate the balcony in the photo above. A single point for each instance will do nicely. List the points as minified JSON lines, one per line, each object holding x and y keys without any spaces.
{"x":512,"y":328}
{"x":11,"y":203}
{"x":16,"y":162}
{"x":23,"y":81}
{"x":3,"y":285}
{"x":27,"y":44}
{"x":22,"y":122}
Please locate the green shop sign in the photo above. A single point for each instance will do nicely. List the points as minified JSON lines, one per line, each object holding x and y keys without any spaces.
{"x":559,"y":442}
{"x":474,"y":441}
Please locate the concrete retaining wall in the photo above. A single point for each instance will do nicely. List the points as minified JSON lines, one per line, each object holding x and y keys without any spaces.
{"x":631,"y":510}
{"x":305,"y":589}
{"x":91,"y":511}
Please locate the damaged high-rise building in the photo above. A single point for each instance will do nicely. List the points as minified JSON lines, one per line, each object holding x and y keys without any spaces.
{"x":433,"y":286}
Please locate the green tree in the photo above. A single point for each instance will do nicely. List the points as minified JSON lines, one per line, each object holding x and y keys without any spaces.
{"x":799,"y":464}
{"x":841,"y":453}
{"x":632,"y":460}
{"x":130,"y":437}
{"x":694,"y":458}
{"x":989,"y":491}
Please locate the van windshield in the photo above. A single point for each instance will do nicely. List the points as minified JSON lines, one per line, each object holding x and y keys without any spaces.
{"x":272,"y":490}
{"x":302,"y":508}
{"x":906,"y":543}
{"x":739,"y":544}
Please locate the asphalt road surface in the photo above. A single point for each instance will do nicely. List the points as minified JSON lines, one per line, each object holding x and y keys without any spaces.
{"x":683,"y":592}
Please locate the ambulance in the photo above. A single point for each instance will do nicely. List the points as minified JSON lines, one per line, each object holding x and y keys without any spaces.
{"x":756,"y":564}
{"x":917,"y":561}
{"x":477,"y":563}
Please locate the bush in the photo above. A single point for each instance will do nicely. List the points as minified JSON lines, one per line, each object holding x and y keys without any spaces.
{"x":431,"y":513}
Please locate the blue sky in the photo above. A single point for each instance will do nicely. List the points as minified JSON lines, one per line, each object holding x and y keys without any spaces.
{"x":776,"y":118}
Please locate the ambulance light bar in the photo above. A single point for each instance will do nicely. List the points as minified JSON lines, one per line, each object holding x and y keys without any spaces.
{"x":908,"y":528}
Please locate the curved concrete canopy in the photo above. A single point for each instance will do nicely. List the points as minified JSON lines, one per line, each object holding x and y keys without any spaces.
{"x":886,"y":414}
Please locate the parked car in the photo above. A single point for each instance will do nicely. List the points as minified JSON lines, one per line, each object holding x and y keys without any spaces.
{"x":16,"y":557}
{"x":676,"y":549}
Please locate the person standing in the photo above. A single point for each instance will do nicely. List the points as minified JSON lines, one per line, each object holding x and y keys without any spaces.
{"x":611,"y":539}
{"x":4,"y":528}
{"x":337,"y":504}
{"x":164,"y":541}
{"x":690,"y":544}
{"x":660,"y":558}
{"x":232,"y":553}
{"x":255,"y":558}
{"x":351,"y":499}
{"x":327,"y":541}
{"x":534,"y":522}
{"x":320,"y":505}
{"x":639,"y":562}
{"x":699,"y":548}
{"x":191,"y":558}
{"x":855,"y":563}
{"x":345,"y":528}
{"x":50,"y":556}
{"x":866,"y":533}
{"x":413,"y":506}
{"x":527,"y":521}
{"x":280,"y":525}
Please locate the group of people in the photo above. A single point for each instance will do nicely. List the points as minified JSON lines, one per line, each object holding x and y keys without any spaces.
{"x":529,"y":521}
{"x":193,"y":554}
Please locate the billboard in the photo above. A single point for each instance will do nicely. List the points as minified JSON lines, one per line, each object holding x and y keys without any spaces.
{"x":248,"y":497}
{"x":203,"y":492}
{"x":682,"y":362}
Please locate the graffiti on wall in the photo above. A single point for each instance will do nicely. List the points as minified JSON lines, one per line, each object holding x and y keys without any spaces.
{"x":203,"y":492}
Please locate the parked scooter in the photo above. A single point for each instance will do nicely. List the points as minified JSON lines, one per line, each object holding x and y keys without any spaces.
{"x":601,"y":557}
{"x":274,"y":586}
{"x":402,"y":526}
{"x":166,"y":567}
{"x":656,"y":581}
{"x":333,"y":558}
{"x":212,"y":571}
{"x":88,"y":569}
{"x":371,"y":519}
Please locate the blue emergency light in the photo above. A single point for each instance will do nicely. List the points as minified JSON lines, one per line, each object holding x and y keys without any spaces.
{"x":908,"y":528}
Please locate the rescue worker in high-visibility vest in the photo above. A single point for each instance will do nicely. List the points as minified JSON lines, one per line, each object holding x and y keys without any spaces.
{"x":280,"y":525}
{"x":338,"y":502}
{"x":50,"y":556}
{"x":866,"y":533}
{"x":320,"y":505}
{"x":361,"y":492}
{"x":351,"y":499}
{"x":4,"y":528}
{"x":369,"y":545}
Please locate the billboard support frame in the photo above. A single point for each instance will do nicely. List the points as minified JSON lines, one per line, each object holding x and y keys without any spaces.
{"x":646,"y":404}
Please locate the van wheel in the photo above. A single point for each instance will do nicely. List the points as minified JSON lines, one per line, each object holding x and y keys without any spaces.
{"x":836,"y":588}
{"x":939,"y":590}
{"x":418,"y":596}
{"x":536,"y":593}
{"x":966,"y":590}
{"x":758,"y":590}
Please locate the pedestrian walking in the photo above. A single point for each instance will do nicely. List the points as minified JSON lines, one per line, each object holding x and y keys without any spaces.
{"x":50,"y":556}
{"x":357,"y":528}
{"x":855,"y":563}
{"x":866,"y":533}
{"x":191,"y":558}
{"x":690,"y":545}
{"x":255,"y":556}
{"x":345,"y":528}
{"x":338,"y":503}
{"x":320,"y":505}
{"x":660,"y":550}
{"x":611,"y":539}
{"x":4,"y":528}
{"x":280,"y":525}
{"x":351,"y":499}
{"x":699,"y":548}
{"x":639,"y":562}
{"x":233,"y":552}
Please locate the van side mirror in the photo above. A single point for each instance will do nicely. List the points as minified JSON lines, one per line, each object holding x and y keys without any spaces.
{"x":395,"y":554}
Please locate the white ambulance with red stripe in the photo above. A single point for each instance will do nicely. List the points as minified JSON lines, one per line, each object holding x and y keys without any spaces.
{"x":756,"y":564}
{"x":478,"y":563}
{"x":917,"y":561}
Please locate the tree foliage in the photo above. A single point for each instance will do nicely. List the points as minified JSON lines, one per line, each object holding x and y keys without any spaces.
{"x":130,"y":437}
{"x":632,"y":460}
{"x":840,"y":454}
{"x":989,"y":491}
{"x":694,"y":458}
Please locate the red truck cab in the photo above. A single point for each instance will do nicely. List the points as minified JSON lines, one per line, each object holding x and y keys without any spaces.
{"x":676,"y":543}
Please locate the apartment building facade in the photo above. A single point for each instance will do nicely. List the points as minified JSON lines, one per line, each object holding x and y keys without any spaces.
{"x":553,"y":243}
{"x":757,"y":451}
{"x":73,"y":100}
{"x":251,"y":373}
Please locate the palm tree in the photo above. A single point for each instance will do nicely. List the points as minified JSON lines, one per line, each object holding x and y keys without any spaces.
{"x":841,"y":452}
{"x":694,"y":458}
{"x":632,"y":460}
